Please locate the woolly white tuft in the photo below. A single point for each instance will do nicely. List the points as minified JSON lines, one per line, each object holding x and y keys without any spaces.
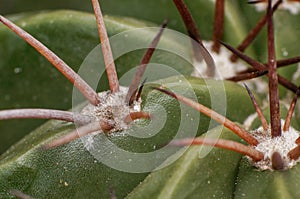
{"x":226,"y":69}
{"x":268,"y":145}
{"x":112,"y":108}
{"x":291,"y":6}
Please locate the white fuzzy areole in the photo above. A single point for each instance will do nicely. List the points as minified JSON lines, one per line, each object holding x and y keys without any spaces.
{"x":268,"y":145}
{"x":291,"y":6}
{"x":225,"y":68}
{"x":112,"y":108}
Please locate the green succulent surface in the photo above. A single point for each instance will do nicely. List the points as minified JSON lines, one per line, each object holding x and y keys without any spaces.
{"x":69,"y":169}
{"x":27,"y":80}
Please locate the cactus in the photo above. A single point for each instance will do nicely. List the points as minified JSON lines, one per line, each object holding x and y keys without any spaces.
{"x":68,"y":159}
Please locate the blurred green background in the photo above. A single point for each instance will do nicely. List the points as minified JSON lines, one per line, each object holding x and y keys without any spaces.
{"x":16,"y":6}
{"x":156,"y":10}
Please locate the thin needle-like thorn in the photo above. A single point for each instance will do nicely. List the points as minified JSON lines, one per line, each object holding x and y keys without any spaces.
{"x":258,"y":110}
{"x":19,"y":194}
{"x":260,"y":67}
{"x":273,"y":77}
{"x":73,"y":77}
{"x":221,"y":143}
{"x":139,"y":93}
{"x":215,"y":116}
{"x":143,"y":65}
{"x":289,"y":61}
{"x":287,"y":84}
{"x":188,"y":20}
{"x":193,"y":32}
{"x":248,"y":70}
{"x":247,"y":76}
{"x":255,"y":64}
{"x":137,"y":115}
{"x":294,"y":154}
{"x":280,"y":63}
{"x":44,"y":114}
{"x":254,"y":32}
{"x":254,"y":2}
{"x":106,"y":49}
{"x":218,"y":25}
{"x":288,"y":118}
{"x":79,"y":132}
{"x":298,"y":141}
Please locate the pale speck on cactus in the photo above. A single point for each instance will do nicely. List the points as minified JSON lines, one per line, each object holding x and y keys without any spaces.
{"x":296,"y":75}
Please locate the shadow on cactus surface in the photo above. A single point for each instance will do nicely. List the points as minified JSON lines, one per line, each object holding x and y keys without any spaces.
{"x":51,"y":162}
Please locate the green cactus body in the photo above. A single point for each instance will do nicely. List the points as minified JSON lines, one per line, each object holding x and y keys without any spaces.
{"x":26,"y":167}
{"x":73,"y":171}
